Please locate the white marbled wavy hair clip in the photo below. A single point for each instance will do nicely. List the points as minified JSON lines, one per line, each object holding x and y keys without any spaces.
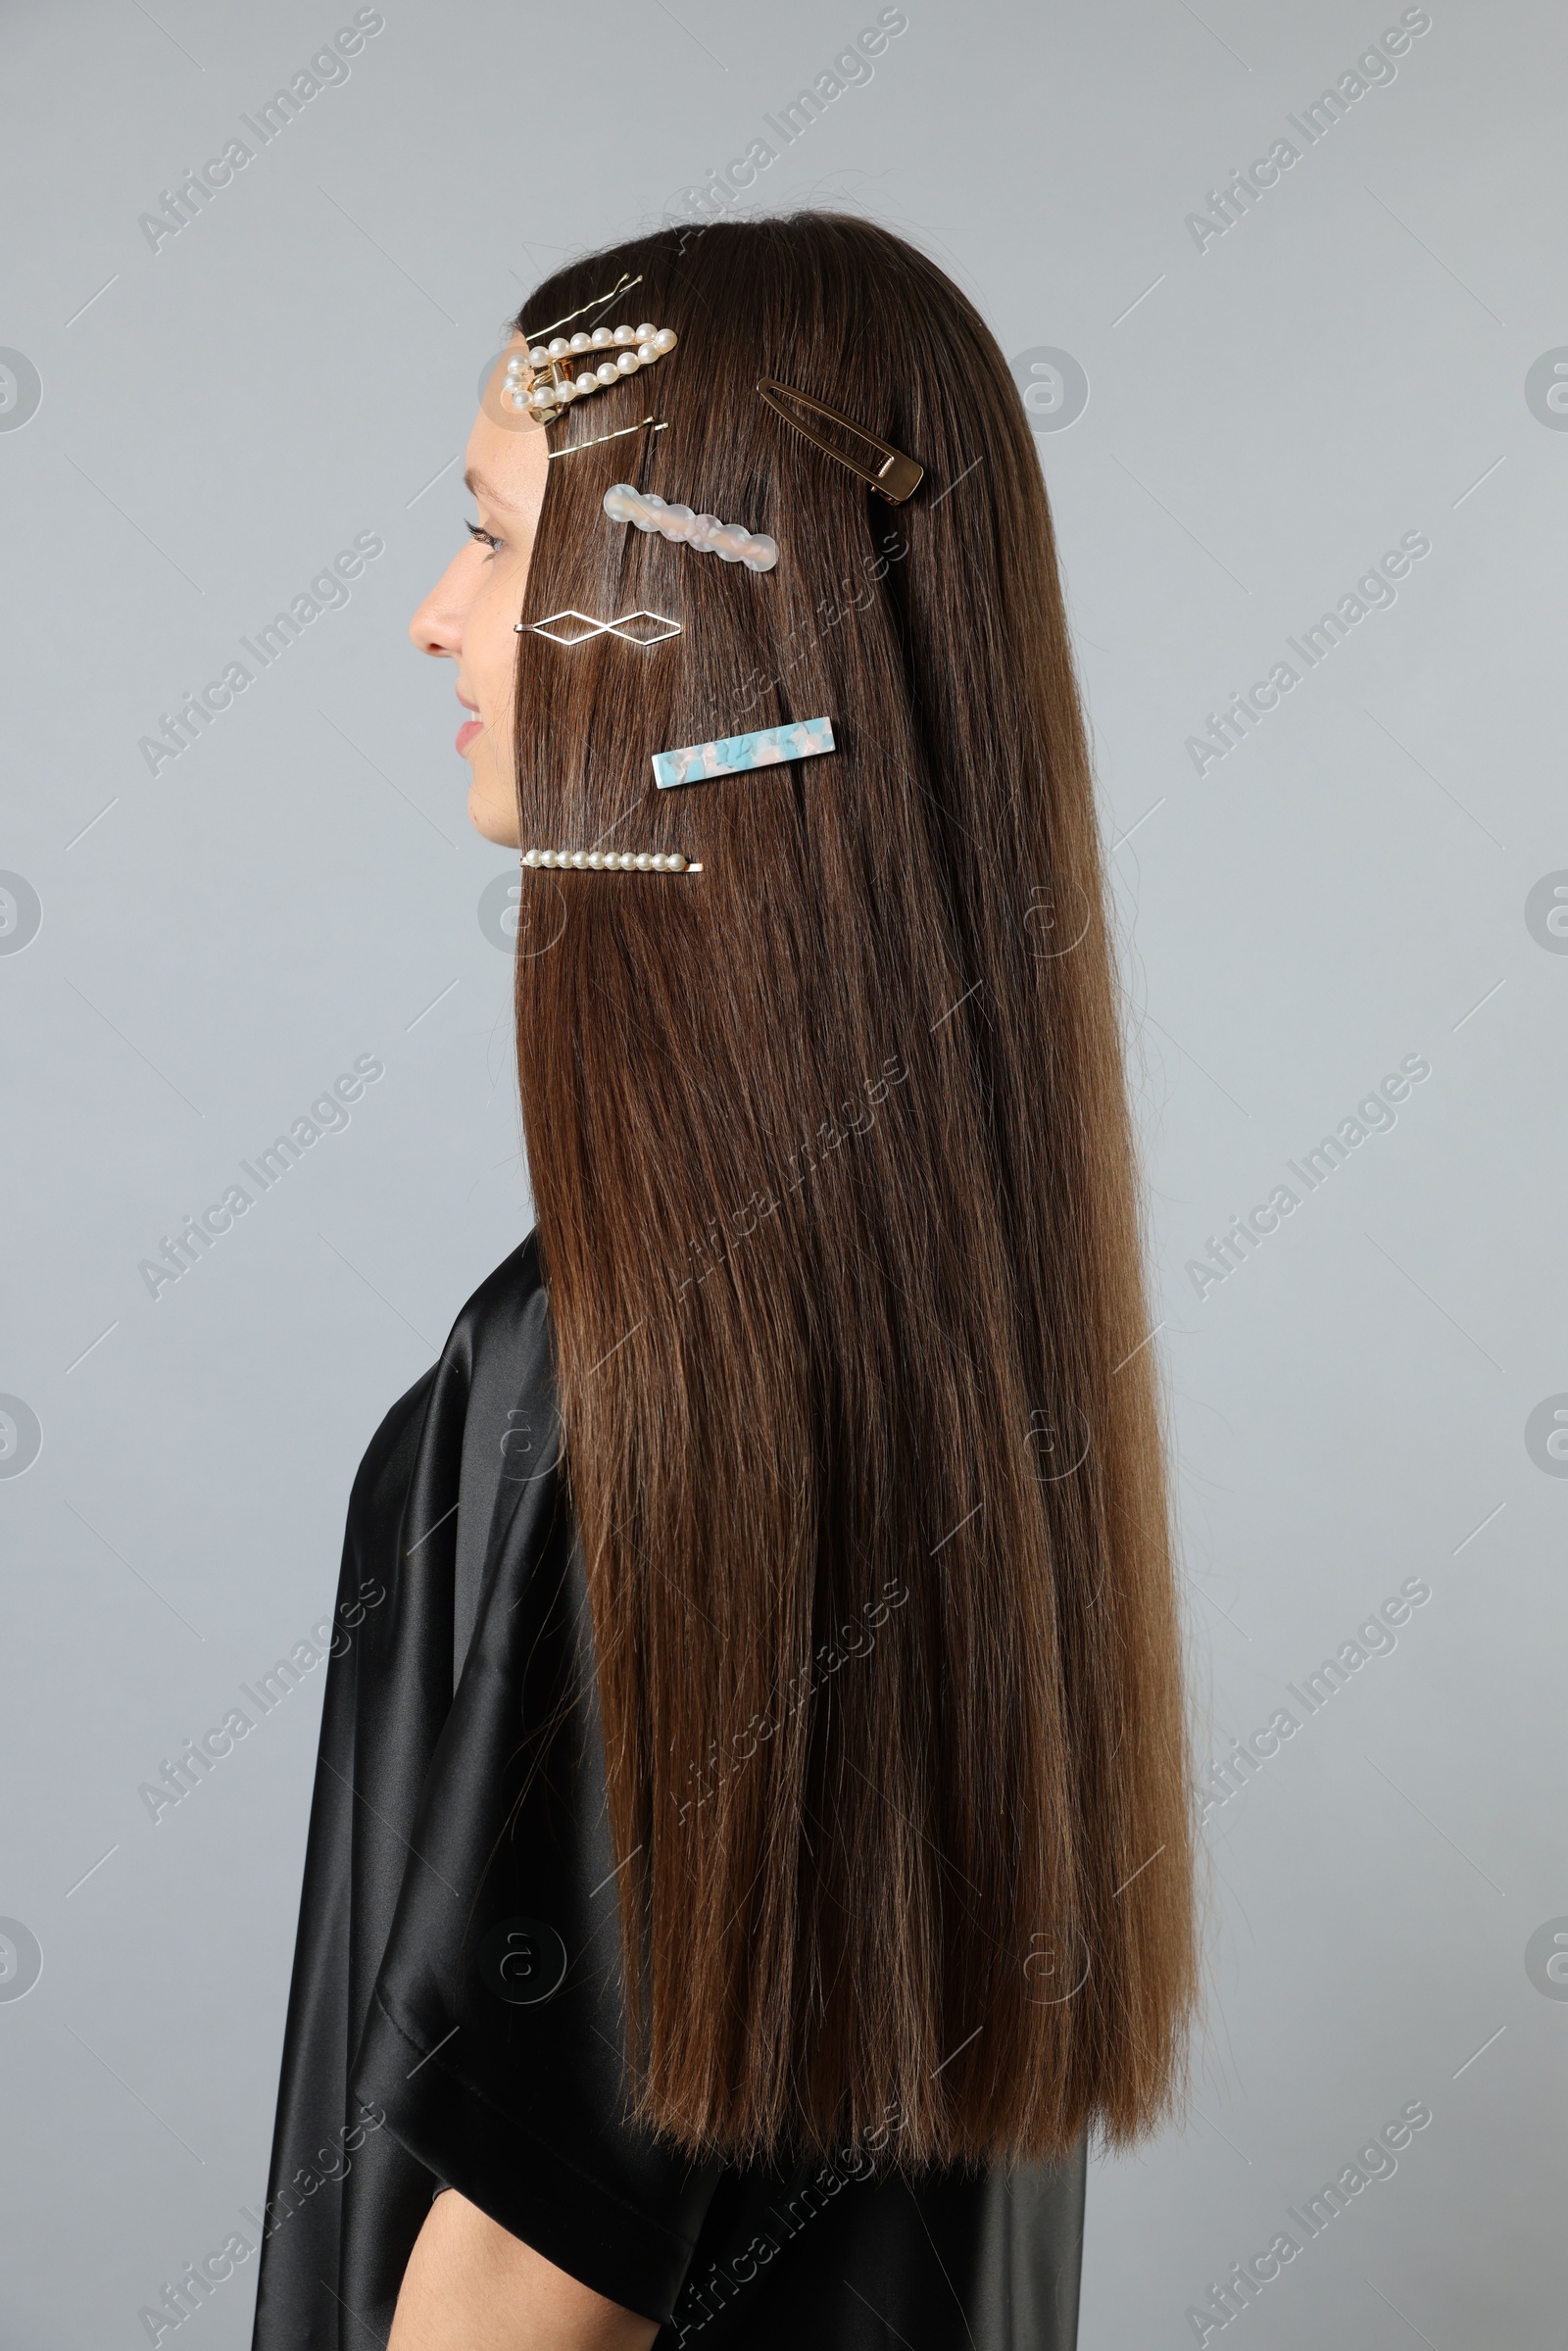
{"x":730,"y":540}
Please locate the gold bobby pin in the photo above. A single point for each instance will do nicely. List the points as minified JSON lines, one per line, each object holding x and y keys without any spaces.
{"x":600,"y":302}
{"x":895,"y":479}
{"x":572,"y":447}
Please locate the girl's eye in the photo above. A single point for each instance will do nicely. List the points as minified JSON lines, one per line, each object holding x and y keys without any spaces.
{"x":484,"y":537}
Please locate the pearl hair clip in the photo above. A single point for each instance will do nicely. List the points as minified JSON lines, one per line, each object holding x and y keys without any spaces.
{"x":731,"y":541}
{"x":610,"y":860}
{"x":566,"y":368}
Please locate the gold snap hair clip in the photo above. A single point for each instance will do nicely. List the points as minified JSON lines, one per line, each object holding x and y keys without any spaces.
{"x":896,"y":478}
{"x":610,"y":860}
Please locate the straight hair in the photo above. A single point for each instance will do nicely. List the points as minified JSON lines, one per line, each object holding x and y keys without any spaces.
{"x":835,"y":1187}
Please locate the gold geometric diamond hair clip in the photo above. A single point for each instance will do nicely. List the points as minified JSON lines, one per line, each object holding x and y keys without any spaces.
{"x":659,"y":627}
{"x":560,"y":369}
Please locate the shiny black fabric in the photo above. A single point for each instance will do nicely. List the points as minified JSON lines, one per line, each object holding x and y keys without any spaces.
{"x":459,"y":1862}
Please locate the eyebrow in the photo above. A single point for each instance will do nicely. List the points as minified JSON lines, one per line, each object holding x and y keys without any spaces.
{"x":480,"y":487}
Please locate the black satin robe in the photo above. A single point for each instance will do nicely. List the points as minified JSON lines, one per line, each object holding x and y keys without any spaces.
{"x":456,"y":2010}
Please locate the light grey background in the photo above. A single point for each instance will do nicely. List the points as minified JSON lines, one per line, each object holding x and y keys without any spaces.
{"x":1266,"y":415}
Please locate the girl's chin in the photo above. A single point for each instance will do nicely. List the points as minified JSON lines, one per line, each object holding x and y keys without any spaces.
{"x":492,"y":819}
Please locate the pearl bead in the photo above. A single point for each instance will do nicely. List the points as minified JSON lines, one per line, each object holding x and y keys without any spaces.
{"x":557,"y":345}
{"x":661,"y":863}
{"x":530,"y":856}
{"x":538,"y":355}
{"x":587,"y":381}
{"x":624,"y":335}
{"x":643,"y":861}
{"x":646,"y":353}
{"x":579,"y":858}
{"x":581,"y":342}
{"x":596,"y":860}
{"x":600,"y":337}
{"x":516,"y":365}
{"x":665,"y":340}
{"x":565,"y":390}
{"x":543,"y":396}
{"x":517,"y":395}
{"x":608,"y":373}
{"x":677,"y":863}
{"x":647,"y":331}
{"x":629,"y":362}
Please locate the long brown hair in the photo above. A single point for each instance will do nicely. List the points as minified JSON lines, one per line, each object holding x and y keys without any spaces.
{"x":833,"y":1171}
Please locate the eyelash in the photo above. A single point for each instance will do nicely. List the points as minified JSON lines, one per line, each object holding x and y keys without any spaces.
{"x":483,"y":536}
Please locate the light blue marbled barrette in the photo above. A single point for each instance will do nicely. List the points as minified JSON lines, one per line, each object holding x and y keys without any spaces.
{"x":733,"y":753}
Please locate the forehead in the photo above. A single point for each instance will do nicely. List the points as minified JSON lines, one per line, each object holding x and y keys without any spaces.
{"x":507,"y":467}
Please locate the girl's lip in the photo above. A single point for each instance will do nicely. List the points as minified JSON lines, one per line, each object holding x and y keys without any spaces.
{"x":469,"y":733}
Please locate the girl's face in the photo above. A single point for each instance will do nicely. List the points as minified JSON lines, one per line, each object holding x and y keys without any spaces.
{"x":469,"y":614}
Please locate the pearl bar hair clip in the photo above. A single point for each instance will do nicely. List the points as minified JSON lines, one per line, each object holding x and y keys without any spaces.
{"x":610,"y":860}
{"x":564,"y":368}
{"x":730,"y":540}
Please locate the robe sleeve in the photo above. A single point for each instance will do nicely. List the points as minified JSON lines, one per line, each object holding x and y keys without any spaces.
{"x":495,"y":2036}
